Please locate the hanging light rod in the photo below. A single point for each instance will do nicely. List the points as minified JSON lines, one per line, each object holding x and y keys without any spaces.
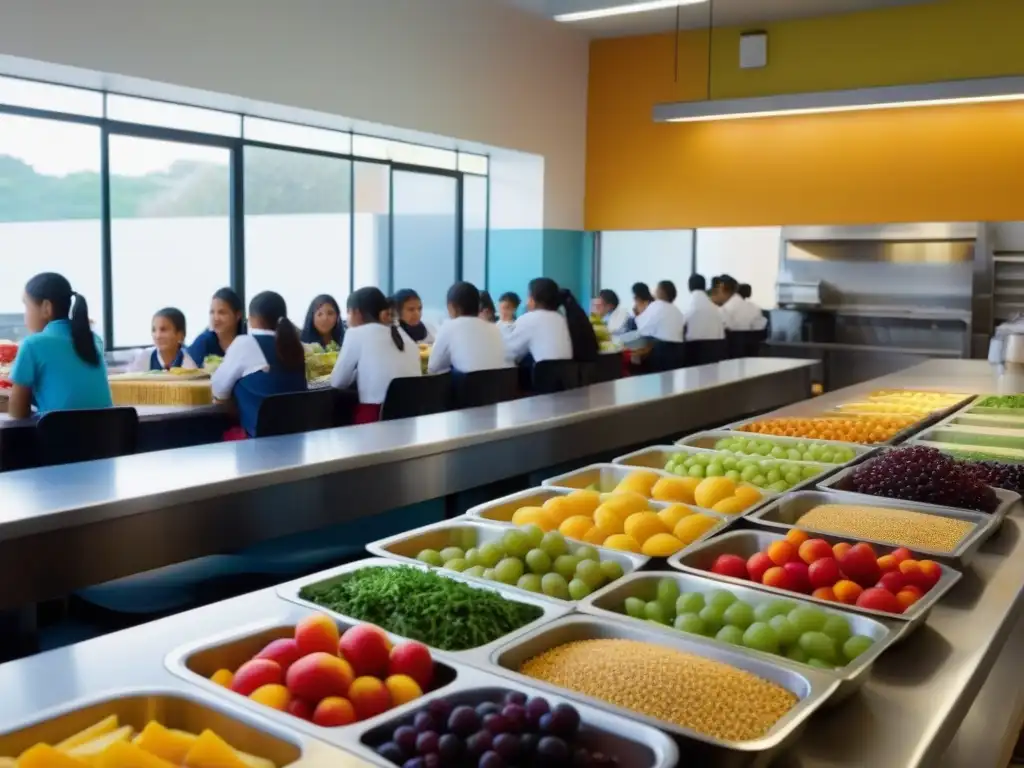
{"x":887,"y":97}
{"x":624,"y":8}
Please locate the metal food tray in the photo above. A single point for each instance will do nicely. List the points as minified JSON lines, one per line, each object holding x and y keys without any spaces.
{"x":783,"y":514}
{"x":550,"y":607}
{"x":705,"y":441}
{"x":649,"y":457}
{"x":988,"y":410}
{"x":810,"y":686}
{"x":405,"y":546}
{"x":609,"y":601}
{"x":981,"y":438}
{"x":184,"y":710}
{"x":975,"y":420}
{"x":840,"y":482}
{"x":634,"y":744}
{"x":746,"y":543}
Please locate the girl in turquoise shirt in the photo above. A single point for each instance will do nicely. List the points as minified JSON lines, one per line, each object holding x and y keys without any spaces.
{"x":60,"y":366}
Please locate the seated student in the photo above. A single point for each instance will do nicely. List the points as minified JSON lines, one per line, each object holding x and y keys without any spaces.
{"x":508,"y":305}
{"x":323,"y":322}
{"x":738,"y":314}
{"x":466,"y":343}
{"x":703,"y":319}
{"x":225,"y":324}
{"x":487,"y":310}
{"x":661,"y":318}
{"x":168,"y":350}
{"x":408,"y":311}
{"x":606,"y":306}
{"x":60,"y":365}
{"x":269,"y":361}
{"x":544,"y":333}
{"x":374,"y":352}
{"x":745,"y":292}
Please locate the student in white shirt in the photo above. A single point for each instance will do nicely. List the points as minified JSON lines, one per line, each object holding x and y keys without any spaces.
{"x":745,"y":293}
{"x":487,"y":311}
{"x":703,"y":319}
{"x":408,"y":311}
{"x":466,"y":343}
{"x":544,"y":333}
{"x":661,"y":318}
{"x":737,"y":313}
{"x":168,"y":350}
{"x":508,"y":305}
{"x":606,"y":306}
{"x":373,"y":353}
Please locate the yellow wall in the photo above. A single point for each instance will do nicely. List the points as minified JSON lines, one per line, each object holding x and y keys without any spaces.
{"x":938,"y":164}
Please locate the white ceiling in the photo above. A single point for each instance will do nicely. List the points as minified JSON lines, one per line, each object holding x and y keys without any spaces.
{"x":726,"y":13}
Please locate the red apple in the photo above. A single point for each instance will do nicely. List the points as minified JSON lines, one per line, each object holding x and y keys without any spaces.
{"x":893,"y":581}
{"x":757,"y":564}
{"x":730,"y":565}
{"x":814,"y":549}
{"x":901,"y":554}
{"x":797,"y":571}
{"x":879,"y":599}
{"x":860,"y":565}
{"x":824,"y":572}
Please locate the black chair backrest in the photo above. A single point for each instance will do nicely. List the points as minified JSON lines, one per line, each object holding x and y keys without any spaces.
{"x":471,"y":390}
{"x":706,"y":351}
{"x":295,"y":412}
{"x":550,"y":376}
{"x":607,"y":367}
{"x":417,"y":396}
{"x":745,"y":343}
{"x":666,"y":356}
{"x":65,"y":437}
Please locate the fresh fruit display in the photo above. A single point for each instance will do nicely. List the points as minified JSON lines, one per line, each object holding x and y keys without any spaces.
{"x":998,"y":474}
{"x":898,"y":527}
{"x":768,"y":474}
{"x":530,"y":559}
{"x":108,"y":744}
{"x":795,"y":451}
{"x":1001,"y":401}
{"x":320,"y":360}
{"x":782,"y":627}
{"x":684,"y":689}
{"x":968,"y":455}
{"x":910,"y":408}
{"x":211,"y":363}
{"x":919,"y":473}
{"x":623,"y":519}
{"x":421,"y":605}
{"x":867,"y":430}
{"x":509,"y":732}
{"x":842,"y":573}
{"x":332,"y":679}
{"x":934,"y":400}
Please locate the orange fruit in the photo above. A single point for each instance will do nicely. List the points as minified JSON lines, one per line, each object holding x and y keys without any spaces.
{"x":661,"y":545}
{"x":623,"y":543}
{"x":576,"y":527}
{"x":608,"y":517}
{"x":747,"y":493}
{"x":403,"y":689}
{"x":712,"y":490}
{"x":640,"y":481}
{"x":671,"y":516}
{"x":679,"y":489}
{"x":596,"y":535}
{"x":847,"y":591}
{"x":559,"y":508}
{"x":640,"y":526}
{"x":535,"y":516}
{"x":582,"y":502}
{"x":733,"y":505}
{"x":691,"y":528}
{"x":797,"y":537}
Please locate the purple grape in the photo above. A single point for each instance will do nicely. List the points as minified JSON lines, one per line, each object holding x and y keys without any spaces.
{"x":391,"y":751}
{"x":479,"y":743}
{"x":515,"y":716}
{"x":528,"y":744}
{"x":463,"y":721}
{"x":495,"y":723}
{"x":449,"y":747}
{"x":918,"y":473}
{"x":553,"y":751}
{"x":426,"y":742}
{"x":515,"y":697}
{"x":440,"y":709}
{"x":431,"y":761}
{"x":565,"y":721}
{"x":488,"y":708}
{"x":535,"y":709}
{"x":405,"y":737}
{"x":491,"y":760}
{"x":424,"y":721}
{"x":416,"y":762}
{"x":507,"y":745}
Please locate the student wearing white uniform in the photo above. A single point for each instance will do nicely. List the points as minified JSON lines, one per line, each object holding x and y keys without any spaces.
{"x":168,"y":350}
{"x":544,"y":333}
{"x":661,"y":318}
{"x":508,"y":305}
{"x":737,"y":313}
{"x":745,"y":293}
{"x":703,"y":319}
{"x":408,"y":309}
{"x":466,"y":343}
{"x":373,"y":353}
{"x":606,"y":306}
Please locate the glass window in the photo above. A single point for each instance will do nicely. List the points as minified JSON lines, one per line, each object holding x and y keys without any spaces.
{"x":645,"y":257}
{"x":424,"y":248}
{"x":417,"y":154}
{"x":56,"y":98}
{"x":297,"y":226}
{"x":293,"y":135}
{"x":474,"y":230}
{"x":50,"y":204}
{"x":370,"y":146}
{"x":749,"y":254}
{"x":477,"y":164}
{"x":170,"y":235}
{"x":130,"y":109}
{"x":372,"y":226}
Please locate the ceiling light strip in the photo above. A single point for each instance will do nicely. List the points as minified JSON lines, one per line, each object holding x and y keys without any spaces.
{"x":622,"y":9}
{"x":886,"y":97}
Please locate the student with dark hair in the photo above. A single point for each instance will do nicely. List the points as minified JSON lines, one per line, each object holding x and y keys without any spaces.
{"x":743,"y":289}
{"x":408,"y":311}
{"x":60,"y":365}
{"x":666,"y":291}
{"x":738,"y":313}
{"x":544,"y":333}
{"x":641,"y":298}
{"x":375,"y":351}
{"x":466,"y":343}
{"x":508,"y":306}
{"x":226,"y":323}
{"x":168,"y":350}
{"x":703,"y":319}
{"x":606,"y":306}
{"x":659,"y":318}
{"x":323,"y":322}
{"x":268,"y":361}
{"x":487,"y":312}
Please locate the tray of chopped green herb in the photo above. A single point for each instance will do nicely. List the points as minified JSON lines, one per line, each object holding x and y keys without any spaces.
{"x":996,"y":403}
{"x":448,"y":613}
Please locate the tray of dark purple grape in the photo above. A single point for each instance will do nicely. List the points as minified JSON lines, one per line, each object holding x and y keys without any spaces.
{"x":924,"y":475}
{"x":491,"y":722}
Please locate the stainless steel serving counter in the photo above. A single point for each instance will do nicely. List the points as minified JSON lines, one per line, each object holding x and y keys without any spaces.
{"x":63,"y":528}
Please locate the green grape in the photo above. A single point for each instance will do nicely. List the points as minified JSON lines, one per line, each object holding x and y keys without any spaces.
{"x":703,"y":458}
{"x":773,"y":476}
{"x":796,"y":654}
{"x":748,"y":474}
{"x":655,"y":611}
{"x":712,"y":617}
{"x":816,"y":662}
{"x":730,"y":634}
{"x":457,"y":564}
{"x":516,"y":543}
{"x":473,"y":556}
{"x":554,"y":585}
{"x":809,"y":472}
{"x":554,"y":544}
{"x":779,"y":486}
{"x":746,"y":464}
{"x":733,"y":475}
{"x":807,"y":619}
{"x":509,"y":570}
{"x":635,"y":607}
{"x":778,"y":452}
{"x":723,"y":443}
{"x":764,"y":449}
{"x":818,"y":645}
{"x":667,"y":593}
{"x":530,"y":582}
{"x":611,"y":570}
{"x":578,"y":589}
{"x":690,"y":622}
{"x":452,"y":553}
{"x":465,"y":538}
{"x":758,"y":480}
{"x":855,"y":646}
{"x":690,"y":602}
{"x":590,"y":573}
{"x":714,"y":470}
{"x":489,"y":574}
{"x":784,"y":630}
{"x":837,"y":628}
{"x":739,"y":614}
{"x":696,"y":471}
{"x":431,"y":557}
{"x":586,"y":552}
{"x":720,"y":599}
{"x":538,"y":561}
{"x":489,"y":554}
{"x":761,"y":637}
{"x":767,"y":611}
{"x":533,"y":533}
{"x":729,"y":463}
{"x":828,"y":457}
{"x":793,"y":454}
{"x":476,"y":570}
{"x":565,"y":566}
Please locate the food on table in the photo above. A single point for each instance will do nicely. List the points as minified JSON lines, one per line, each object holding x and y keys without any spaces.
{"x":899,"y":527}
{"x":936,"y":399}
{"x":332,"y":678}
{"x":1001,"y":401}
{"x":684,"y":689}
{"x":879,"y":407}
{"x":853,"y":574}
{"x":8,"y":351}
{"x":320,"y":360}
{"x":970,"y":455}
{"x":509,"y":731}
{"x":108,"y":744}
{"x":798,"y":450}
{"x":919,"y":473}
{"x":530,"y":559}
{"x":769,"y":474}
{"x":623,"y":519}
{"x":422,"y":605}
{"x":211,"y":363}
{"x":998,"y":474}
{"x":775,"y":626}
{"x":854,"y":429}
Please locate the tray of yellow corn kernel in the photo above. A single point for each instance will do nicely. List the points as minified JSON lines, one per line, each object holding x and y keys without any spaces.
{"x":728,"y":707}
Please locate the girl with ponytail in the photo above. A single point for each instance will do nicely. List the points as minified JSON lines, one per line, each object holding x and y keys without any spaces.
{"x":373,"y":353}
{"x":60,"y":366}
{"x":544,"y":333}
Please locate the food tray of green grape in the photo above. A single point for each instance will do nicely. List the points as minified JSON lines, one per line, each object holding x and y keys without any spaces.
{"x":840,"y":642}
{"x":773,"y":476}
{"x":789,"y":448}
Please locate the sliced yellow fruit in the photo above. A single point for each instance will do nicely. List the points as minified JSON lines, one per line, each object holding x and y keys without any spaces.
{"x":640,"y":526}
{"x":91,"y":749}
{"x":252,"y":761}
{"x":167,"y":743}
{"x":104,"y":726}
{"x":45,"y":756}
{"x":123,"y":754}
{"x":211,"y":751}
{"x":661,"y":545}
